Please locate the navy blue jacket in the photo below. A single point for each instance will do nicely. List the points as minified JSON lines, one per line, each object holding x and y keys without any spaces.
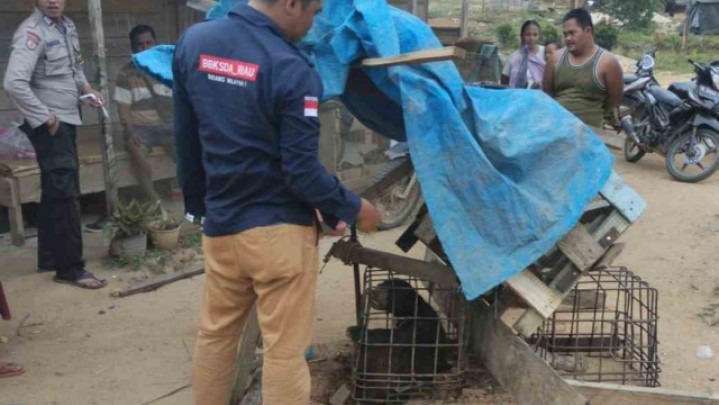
{"x":247,"y":128}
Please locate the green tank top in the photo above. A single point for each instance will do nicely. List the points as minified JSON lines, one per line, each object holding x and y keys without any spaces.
{"x":579,"y":90}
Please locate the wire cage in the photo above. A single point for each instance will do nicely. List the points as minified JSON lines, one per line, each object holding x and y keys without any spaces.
{"x":409,"y":341}
{"x":606,"y":331}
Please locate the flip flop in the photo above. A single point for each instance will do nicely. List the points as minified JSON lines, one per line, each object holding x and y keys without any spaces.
{"x":8,"y":369}
{"x":87,"y":280}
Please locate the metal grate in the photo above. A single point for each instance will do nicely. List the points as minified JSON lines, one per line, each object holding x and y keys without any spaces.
{"x":405,"y":346}
{"x":605,"y":331}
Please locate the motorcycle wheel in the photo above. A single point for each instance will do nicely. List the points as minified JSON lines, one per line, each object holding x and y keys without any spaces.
{"x":703,"y":155}
{"x":395,"y":209}
{"x":632,"y":152}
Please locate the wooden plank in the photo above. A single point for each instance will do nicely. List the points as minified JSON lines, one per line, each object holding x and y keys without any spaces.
{"x":528,"y":323}
{"x":158,"y":282}
{"x":201,"y":5}
{"x":615,"y":224}
{"x":581,"y":248}
{"x":354,"y":253}
{"x":110,"y":6}
{"x":415,"y":58}
{"x":602,"y":393}
{"x":91,"y":178}
{"x":608,"y":258}
{"x":623,"y":197}
{"x":246,"y":357}
{"x":528,"y":378}
{"x":534,"y":292}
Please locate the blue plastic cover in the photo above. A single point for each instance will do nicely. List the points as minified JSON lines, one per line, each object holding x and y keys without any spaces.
{"x":505,"y":173}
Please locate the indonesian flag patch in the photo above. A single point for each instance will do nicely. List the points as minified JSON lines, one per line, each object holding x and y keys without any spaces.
{"x":312,"y":105}
{"x":32,"y":40}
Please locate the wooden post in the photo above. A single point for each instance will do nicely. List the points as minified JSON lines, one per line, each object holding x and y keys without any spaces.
{"x":94,"y":8}
{"x":687,"y":24}
{"x":413,"y":7}
{"x":464,"y":26}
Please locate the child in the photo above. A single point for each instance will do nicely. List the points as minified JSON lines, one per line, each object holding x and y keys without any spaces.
{"x":550,"y":47}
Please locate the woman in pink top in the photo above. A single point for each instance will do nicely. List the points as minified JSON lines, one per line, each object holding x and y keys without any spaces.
{"x":525,"y":67}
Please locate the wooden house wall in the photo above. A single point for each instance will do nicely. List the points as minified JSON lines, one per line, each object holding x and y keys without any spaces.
{"x":168,"y":17}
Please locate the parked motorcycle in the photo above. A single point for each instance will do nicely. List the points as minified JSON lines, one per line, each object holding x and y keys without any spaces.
{"x":403,"y":199}
{"x":683,"y":129}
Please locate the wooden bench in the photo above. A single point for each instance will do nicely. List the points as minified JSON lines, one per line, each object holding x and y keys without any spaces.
{"x":20,"y":179}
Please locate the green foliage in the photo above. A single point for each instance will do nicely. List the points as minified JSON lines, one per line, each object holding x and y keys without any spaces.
{"x":506,"y":35}
{"x":129,"y":220}
{"x":191,"y":240}
{"x":550,"y":33}
{"x":606,"y":35}
{"x":637,"y":13}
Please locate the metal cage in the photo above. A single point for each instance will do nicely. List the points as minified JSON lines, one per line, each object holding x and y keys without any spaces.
{"x":409,"y":341}
{"x":605,"y":331}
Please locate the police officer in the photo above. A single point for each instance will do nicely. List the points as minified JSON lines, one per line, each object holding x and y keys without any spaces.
{"x":247,"y":132}
{"x":44,"y":80}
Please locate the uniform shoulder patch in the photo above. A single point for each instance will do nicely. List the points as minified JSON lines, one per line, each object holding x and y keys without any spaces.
{"x":312,"y":105}
{"x":32,"y":40}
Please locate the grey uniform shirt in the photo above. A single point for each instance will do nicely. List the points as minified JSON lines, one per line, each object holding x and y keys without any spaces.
{"x":45,"y":73}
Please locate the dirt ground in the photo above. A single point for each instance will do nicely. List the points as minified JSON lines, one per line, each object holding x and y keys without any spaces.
{"x":86,"y":347}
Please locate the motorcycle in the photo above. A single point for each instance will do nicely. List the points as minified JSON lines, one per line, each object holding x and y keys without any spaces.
{"x":683,"y":129}
{"x":403,"y":199}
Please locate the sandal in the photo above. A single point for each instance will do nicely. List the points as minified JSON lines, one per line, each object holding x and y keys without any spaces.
{"x":86,"y":280}
{"x":8,"y":369}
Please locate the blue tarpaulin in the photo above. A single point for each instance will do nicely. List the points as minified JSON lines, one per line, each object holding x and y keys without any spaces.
{"x":505,"y":173}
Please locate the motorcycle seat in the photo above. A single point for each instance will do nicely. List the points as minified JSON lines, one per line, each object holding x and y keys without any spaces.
{"x":665,"y":97}
{"x":681,"y":89}
{"x":630,"y":78}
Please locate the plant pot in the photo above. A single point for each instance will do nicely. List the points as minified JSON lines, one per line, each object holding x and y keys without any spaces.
{"x":165,"y":239}
{"x":132,"y":246}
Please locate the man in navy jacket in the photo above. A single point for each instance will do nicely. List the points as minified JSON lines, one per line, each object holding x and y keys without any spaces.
{"x":247,"y":133}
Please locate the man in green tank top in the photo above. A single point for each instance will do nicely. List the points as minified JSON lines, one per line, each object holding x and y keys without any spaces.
{"x":584,"y":78}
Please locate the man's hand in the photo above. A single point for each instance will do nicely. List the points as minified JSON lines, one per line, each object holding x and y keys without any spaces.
{"x":97,"y":101}
{"x":369,"y":217}
{"x":53,"y":125}
{"x":338,"y":231}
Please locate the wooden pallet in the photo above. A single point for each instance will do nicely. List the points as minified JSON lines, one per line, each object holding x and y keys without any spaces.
{"x":547,"y":282}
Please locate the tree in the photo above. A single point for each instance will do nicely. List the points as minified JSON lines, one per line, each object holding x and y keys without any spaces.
{"x":637,"y":13}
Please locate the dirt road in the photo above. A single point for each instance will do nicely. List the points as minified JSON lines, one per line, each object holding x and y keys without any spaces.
{"x":90,"y":348}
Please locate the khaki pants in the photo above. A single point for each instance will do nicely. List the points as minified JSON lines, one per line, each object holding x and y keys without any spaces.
{"x":277,"y":266}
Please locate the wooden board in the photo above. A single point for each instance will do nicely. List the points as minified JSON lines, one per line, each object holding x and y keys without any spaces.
{"x":623,"y":197}
{"x":415,"y":58}
{"x":581,"y":248}
{"x":528,"y":378}
{"x":601,"y":393}
{"x":535,"y":293}
{"x":351,"y":253}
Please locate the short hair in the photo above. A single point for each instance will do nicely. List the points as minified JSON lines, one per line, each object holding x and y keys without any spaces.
{"x":139,"y":30}
{"x":528,"y":24}
{"x":584,"y":19}
{"x":559,"y":44}
{"x":305,"y":3}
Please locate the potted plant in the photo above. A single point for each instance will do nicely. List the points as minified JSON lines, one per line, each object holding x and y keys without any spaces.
{"x":125,"y":230}
{"x":164,"y":230}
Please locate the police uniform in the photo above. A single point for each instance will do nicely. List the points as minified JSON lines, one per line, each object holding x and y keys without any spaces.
{"x":43,"y":78}
{"x":247,"y":138}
